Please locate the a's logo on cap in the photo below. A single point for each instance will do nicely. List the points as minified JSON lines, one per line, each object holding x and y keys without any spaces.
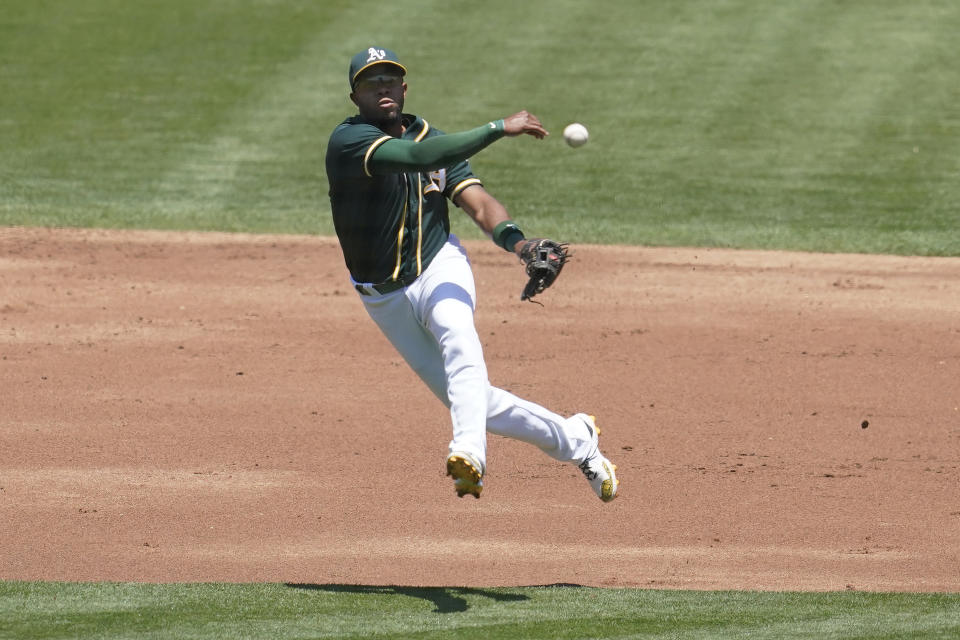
{"x":376,"y":54}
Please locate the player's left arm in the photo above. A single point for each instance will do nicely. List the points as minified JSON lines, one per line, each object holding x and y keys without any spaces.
{"x":491,"y":216}
{"x":543,"y":258}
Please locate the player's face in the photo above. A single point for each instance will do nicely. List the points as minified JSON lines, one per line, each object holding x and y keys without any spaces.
{"x":379,"y":94}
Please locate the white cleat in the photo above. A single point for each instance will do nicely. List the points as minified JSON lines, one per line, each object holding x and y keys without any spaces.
{"x":600,"y":472}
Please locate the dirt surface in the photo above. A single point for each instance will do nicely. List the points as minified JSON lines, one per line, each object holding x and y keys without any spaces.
{"x":212,"y":407}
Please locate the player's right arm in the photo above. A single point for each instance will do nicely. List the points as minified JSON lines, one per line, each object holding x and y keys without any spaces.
{"x":393,"y":155}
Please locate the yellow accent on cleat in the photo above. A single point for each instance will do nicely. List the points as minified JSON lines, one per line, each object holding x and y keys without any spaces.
{"x":610,"y":486}
{"x":466,"y":474}
{"x":596,"y":428}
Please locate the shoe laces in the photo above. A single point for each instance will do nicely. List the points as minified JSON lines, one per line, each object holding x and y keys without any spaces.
{"x":587,"y":471}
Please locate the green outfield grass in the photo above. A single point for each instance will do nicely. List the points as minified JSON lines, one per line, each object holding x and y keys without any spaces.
{"x":207,"y":611}
{"x":810,"y":124}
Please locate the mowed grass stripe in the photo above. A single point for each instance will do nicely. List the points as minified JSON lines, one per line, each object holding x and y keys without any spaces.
{"x":202,"y":115}
{"x":120,"y":610}
{"x":127,"y":86}
{"x":743,"y":124}
{"x":266,"y":156}
{"x":736,"y":124}
{"x":772,"y":131}
{"x":914,"y":159}
{"x":862,"y":95}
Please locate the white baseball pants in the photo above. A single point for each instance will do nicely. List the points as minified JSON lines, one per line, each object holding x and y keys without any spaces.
{"x":431,"y":325}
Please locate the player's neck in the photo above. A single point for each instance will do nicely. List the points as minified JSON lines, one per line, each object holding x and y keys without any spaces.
{"x":399,"y":126}
{"x":394,"y":129}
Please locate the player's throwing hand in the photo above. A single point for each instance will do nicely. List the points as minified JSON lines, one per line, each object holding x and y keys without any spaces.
{"x":524,"y":122}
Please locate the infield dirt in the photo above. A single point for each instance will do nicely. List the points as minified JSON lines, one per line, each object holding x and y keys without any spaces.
{"x":214,"y":407}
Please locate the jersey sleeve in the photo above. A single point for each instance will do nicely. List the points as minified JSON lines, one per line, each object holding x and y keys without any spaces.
{"x":351,"y":147}
{"x":432,"y":152}
{"x":459,"y":175}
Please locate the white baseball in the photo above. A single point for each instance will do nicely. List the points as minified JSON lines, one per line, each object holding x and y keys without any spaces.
{"x":575,"y":134}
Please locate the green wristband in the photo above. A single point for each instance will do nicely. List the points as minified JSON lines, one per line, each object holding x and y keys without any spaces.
{"x":506,"y":235}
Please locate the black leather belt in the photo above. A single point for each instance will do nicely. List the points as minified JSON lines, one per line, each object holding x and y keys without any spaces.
{"x":382,"y":289}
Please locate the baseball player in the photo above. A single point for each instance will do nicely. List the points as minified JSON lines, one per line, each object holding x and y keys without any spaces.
{"x":391,"y":175}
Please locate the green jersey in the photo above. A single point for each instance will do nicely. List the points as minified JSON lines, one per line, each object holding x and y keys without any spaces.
{"x":390,"y":225}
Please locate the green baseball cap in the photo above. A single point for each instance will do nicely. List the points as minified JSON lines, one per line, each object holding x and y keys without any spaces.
{"x":372,"y":56}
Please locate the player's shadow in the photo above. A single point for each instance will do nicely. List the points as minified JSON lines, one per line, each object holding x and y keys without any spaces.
{"x":445,"y":599}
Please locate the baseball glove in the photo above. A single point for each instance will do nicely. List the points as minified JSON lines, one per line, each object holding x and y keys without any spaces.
{"x":544,"y":259}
